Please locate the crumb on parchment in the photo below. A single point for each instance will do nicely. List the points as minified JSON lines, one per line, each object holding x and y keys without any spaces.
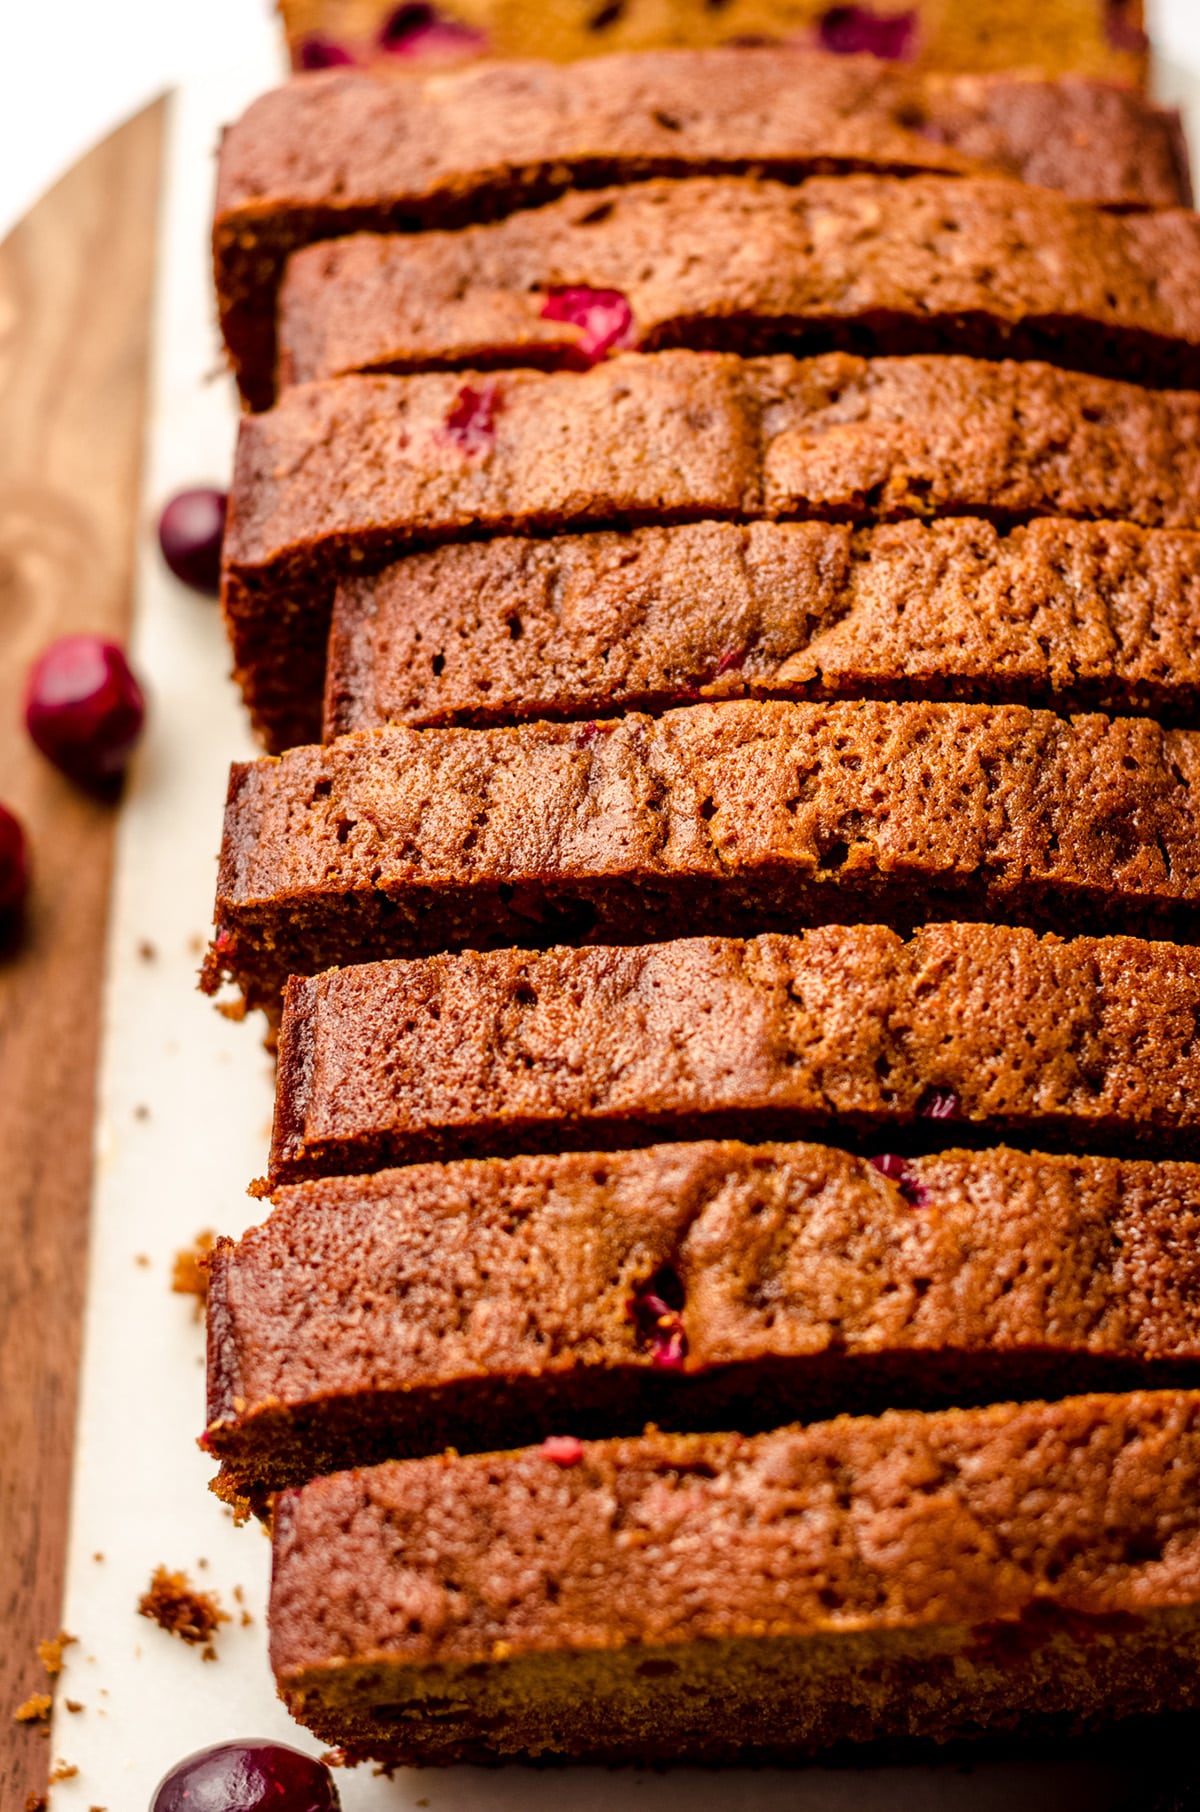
{"x":178,"y":1608}
{"x":189,"y":1277}
{"x":62,"y":1771}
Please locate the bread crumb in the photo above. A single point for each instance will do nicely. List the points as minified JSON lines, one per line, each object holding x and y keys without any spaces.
{"x":174,"y":1604}
{"x":73,"y":1704}
{"x":190,"y":1274}
{"x":36,"y":1706}
{"x":98,"y":1555}
{"x":50,"y":1652}
{"x":140,"y":1258}
{"x":63,"y":1771}
{"x":141,"y":1111}
{"x":147,"y":951}
{"x":35,"y":1802}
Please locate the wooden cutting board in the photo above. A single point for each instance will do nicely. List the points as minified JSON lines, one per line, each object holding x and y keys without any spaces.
{"x":76,"y":280}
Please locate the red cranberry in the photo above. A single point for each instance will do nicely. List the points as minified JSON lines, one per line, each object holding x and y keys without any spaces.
{"x":603,"y":316}
{"x":939,"y":1104}
{"x":319,"y":52}
{"x":420,"y":30}
{"x":1120,"y":30}
{"x":471,"y":423}
{"x":852,"y":29}
{"x":900,"y":1171}
{"x":83,"y":707}
{"x":247,"y":1777}
{"x":655,"y":1309}
{"x":590,"y":732}
{"x":14,"y":865}
{"x":562,"y":1449}
{"x":732,"y":659}
{"x":190,"y":531}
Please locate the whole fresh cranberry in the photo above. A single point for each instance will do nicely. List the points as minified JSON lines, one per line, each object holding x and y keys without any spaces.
{"x":14,"y":865}
{"x":851,"y":30}
{"x":83,"y":708}
{"x":190,"y":532}
{"x":247,"y":1777}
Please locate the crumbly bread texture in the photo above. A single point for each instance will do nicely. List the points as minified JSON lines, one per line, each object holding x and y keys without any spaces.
{"x":1089,"y":1044}
{"x":726,"y":817}
{"x":867,"y":264}
{"x":699,"y":1286}
{"x":345,"y":152}
{"x":1068,"y":614}
{"x":343,"y":475}
{"x":1083,"y":37}
{"x":1023,"y":1566}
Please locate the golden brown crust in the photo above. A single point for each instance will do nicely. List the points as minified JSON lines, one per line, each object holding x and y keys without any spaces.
{"x":515,"y":1050}
{"x":343,"y":474}
{"x":700,"y":1285}
{"x":1093,"y":615}
{"x":712,"y":1595}
{"x":719,"y":817}
{"x":1080,"y":37}
{"x":857,"y":263}
{"x":345,"y":152}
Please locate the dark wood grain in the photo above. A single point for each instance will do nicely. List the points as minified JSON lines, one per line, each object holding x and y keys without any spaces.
{"x":75,"y":286}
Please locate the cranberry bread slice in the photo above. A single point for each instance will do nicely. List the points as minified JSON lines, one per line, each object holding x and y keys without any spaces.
{"x":726,"y":818}
{"x":867,"y":264}
{"x":702,"y":1286}
{"x":342,"y":476}
{"x":345,"y":152}
{"x":1103,"y":38}
{"x":1071,"y":615}
{"x":1089,"y":1044}
{"x":1031,"y":1567}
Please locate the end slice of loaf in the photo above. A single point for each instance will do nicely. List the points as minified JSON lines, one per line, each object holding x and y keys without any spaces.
{"x":342,"y":476}
{"x":1084,"y":1045}
{"x":344,"y":152}
{"x":1107,"y":42}
{"x":730,"y":817}
{"x":694,"y":1286}
{"x":1068,"y":614}
{"x":1031,"y":1567}
{"x":867,"y":264}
